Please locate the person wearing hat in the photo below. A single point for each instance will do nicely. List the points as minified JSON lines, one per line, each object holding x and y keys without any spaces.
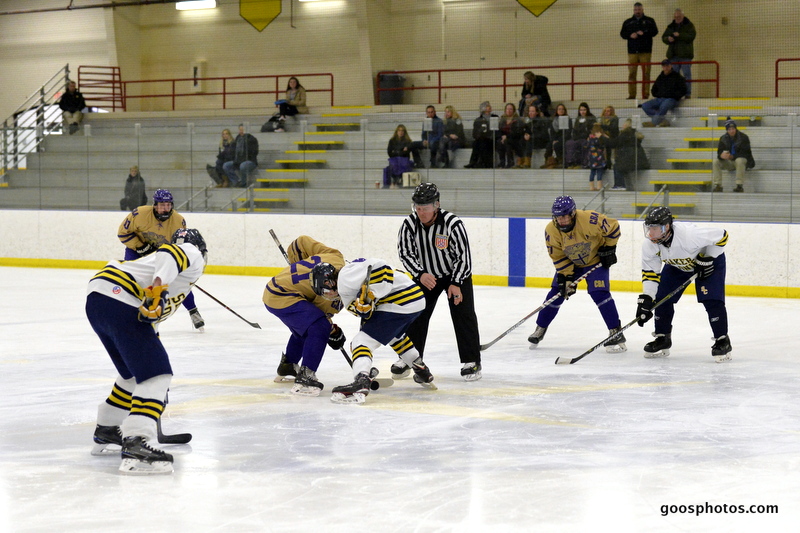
{"x":733,"y":153}
{"x":668,"y":89}
{"x":679,"y":38}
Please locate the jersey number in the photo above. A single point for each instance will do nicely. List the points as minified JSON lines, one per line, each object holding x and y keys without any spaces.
{"x":308,"y":263}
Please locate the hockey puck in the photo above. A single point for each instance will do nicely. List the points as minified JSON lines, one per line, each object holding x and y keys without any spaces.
{"x":374,"y":385}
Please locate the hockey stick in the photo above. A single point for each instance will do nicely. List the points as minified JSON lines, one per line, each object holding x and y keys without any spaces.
{"x":545,"y":304}
{"x":253,"y":324}
{"x":376,"y":383}
{"x":572,"y":360}
{"x":177,"y":438}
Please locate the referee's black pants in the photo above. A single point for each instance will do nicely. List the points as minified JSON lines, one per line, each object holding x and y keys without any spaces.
{"x":465,"y":322}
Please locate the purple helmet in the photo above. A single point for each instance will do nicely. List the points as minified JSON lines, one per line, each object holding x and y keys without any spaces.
{"x":564,"y":206}
{"x":162,"y":196}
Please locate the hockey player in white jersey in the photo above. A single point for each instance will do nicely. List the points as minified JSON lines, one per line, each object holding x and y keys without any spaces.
{"x":387,"y":301}
{"x":125,"y":300}
{"x":671,"y":253}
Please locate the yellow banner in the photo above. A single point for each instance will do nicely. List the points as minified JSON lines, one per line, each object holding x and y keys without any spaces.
{"x":259,"y":13}
{"x":537,"y":7}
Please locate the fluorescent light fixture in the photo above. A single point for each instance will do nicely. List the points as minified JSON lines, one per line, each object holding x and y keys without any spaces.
{"x":196,"y":4}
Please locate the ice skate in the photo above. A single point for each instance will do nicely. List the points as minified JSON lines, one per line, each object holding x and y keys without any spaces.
{"x":471,"y":371}
{"x":400,"y":369}
{"x":356,"y":392}
{"x":197,"y":320}
{"x":615,"y":344}
{"x":105,"y":436}
{"x":306,"y":384}
{"x":286,"y":371}
{"x":139,"y":458}
{"x":536,"y":337}
{"x":422,"y":374}
{"x":659,"y":347}
{"x":721,"y":351}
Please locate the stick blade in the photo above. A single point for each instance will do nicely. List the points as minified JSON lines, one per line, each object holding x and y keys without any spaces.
{"x":565,"y":361}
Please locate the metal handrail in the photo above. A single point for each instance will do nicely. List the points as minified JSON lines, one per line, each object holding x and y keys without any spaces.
{"x":778,"y":77}
{"x":439,"y":86}
{"x":664,"y":190}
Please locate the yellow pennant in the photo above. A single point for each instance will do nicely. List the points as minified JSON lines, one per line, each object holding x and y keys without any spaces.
{"x":259,"y":13}
{"x":537,"y":7}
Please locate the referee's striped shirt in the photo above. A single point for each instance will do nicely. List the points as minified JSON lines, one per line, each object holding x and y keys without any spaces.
{"x":441,"y":249}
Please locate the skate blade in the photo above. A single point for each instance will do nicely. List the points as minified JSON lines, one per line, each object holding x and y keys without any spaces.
{"x":354,"y":399}
{"x":532,"y":346}
{"x":134,"y":467}
{"x":300,"y":390}
{"x":284,"y":379}
{"x":403,"y":375}
{"x":721,"y":358}
{"x":430,"y":386}
{"x":200,"y":330}
{"x":472,"y":377}
{"x":106,"y":449}
{"x":616,"y":348}
{"x":656,"y":355}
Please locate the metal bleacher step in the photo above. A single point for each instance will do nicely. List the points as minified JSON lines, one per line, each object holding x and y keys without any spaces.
{"x":680,"y":182}
{"x":301,"y":161}
{"x":683,"y":171}
{"x":331,"y":143}
{"x":704,"y":160}
{"x":285,"y":170}
{"x":645,"y":204}
{"x":671,"y":193}
{"x":348,"y":126}
{"x":716,"y":128}
{"x":297,"y":182}
{"x":305,"y":152}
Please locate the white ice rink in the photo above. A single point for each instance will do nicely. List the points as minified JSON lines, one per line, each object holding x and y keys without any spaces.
{"x":600,"y":445}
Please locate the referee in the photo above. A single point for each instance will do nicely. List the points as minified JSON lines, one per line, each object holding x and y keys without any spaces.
{"x":433,"y":247}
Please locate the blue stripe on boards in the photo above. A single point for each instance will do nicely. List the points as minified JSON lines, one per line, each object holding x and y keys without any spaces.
{"x":516,"y":252}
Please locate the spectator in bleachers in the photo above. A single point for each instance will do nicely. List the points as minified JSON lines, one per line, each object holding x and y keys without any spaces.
{"x":733,"y":153}
{"x":225,"y":153}
{"x":245,"y":159}
{"x":596,"y":157}
{"x":536,"y":87}
{"x":576,"y":148}
{"x":430,"y":139}
{"x":668,"y":90}
{"x":135,"y":194}
{"x":679,"y":38}
{"x":293,"y":103}
{"x":609,"y":121}
{"x":535,"y":136}
{"x":630,"y":156}
{"x":483,"y":139}
{"x":399,"y":150}
{"x":639,"y":31}
{"x":72,"y":104}
{"x":554,"y":154}
{"x":453,"y":138}
{"x":509,"y":137}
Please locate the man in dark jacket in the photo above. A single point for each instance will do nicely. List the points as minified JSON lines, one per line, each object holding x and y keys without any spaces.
{"x":668,"y":89}
{"x":733,"y":153}
{"x":430,"y":139}
{"x":679,"y":38}
{"x":245,"y":159}
{"x":72,"y":104}
{"x":639,"y":31}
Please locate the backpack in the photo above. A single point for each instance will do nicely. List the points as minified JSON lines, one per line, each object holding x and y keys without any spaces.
{"x":271,"y":125}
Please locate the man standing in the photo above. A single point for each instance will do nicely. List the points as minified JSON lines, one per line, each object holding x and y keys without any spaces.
{"x":733,"y":153}
{"x":679,"y":38}
{"x":639,"y":31}
{"x":149,"y":226}
{"x":245,"y":159}
{"x":434,"y":248}
{"x":576,"y":242}
{"x":668,"y":89}
{"x":671,"y":253}
{"x":125,"y":300}
{"x":72,"y":104}
{"x":430,"y":139}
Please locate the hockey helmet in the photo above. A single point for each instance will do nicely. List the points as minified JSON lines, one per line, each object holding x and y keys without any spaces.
{"x":162,"y":196}
{"x":564,"y":206}
{"x":658,"y":225}
{"x":192,"y":236}
{"x":425,"y":193}
{"x":323,"y":279}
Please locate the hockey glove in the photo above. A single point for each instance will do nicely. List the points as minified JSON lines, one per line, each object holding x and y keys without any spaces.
{"x":154,"y":303}
{"x":566,"y":287}
{"x":336,"y":339}
{"x":145,"y":249}
{"x":607,"y":255}
{"x":704,"y":266}
{"x":364,"y":309}
{"x":644,"y":311}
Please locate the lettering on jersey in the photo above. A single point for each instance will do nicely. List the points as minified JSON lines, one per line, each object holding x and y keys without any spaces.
{"x":703,"y":289}
{"x":685,"y":264}
{"x":441,"y":241}
{"x":593,"y":218}
{"x":599,"y":283}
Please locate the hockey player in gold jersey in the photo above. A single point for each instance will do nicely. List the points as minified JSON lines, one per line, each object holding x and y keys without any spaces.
{"x":576,"y":241}
{"x":290,"y":297}
{"x":149,"y":226}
